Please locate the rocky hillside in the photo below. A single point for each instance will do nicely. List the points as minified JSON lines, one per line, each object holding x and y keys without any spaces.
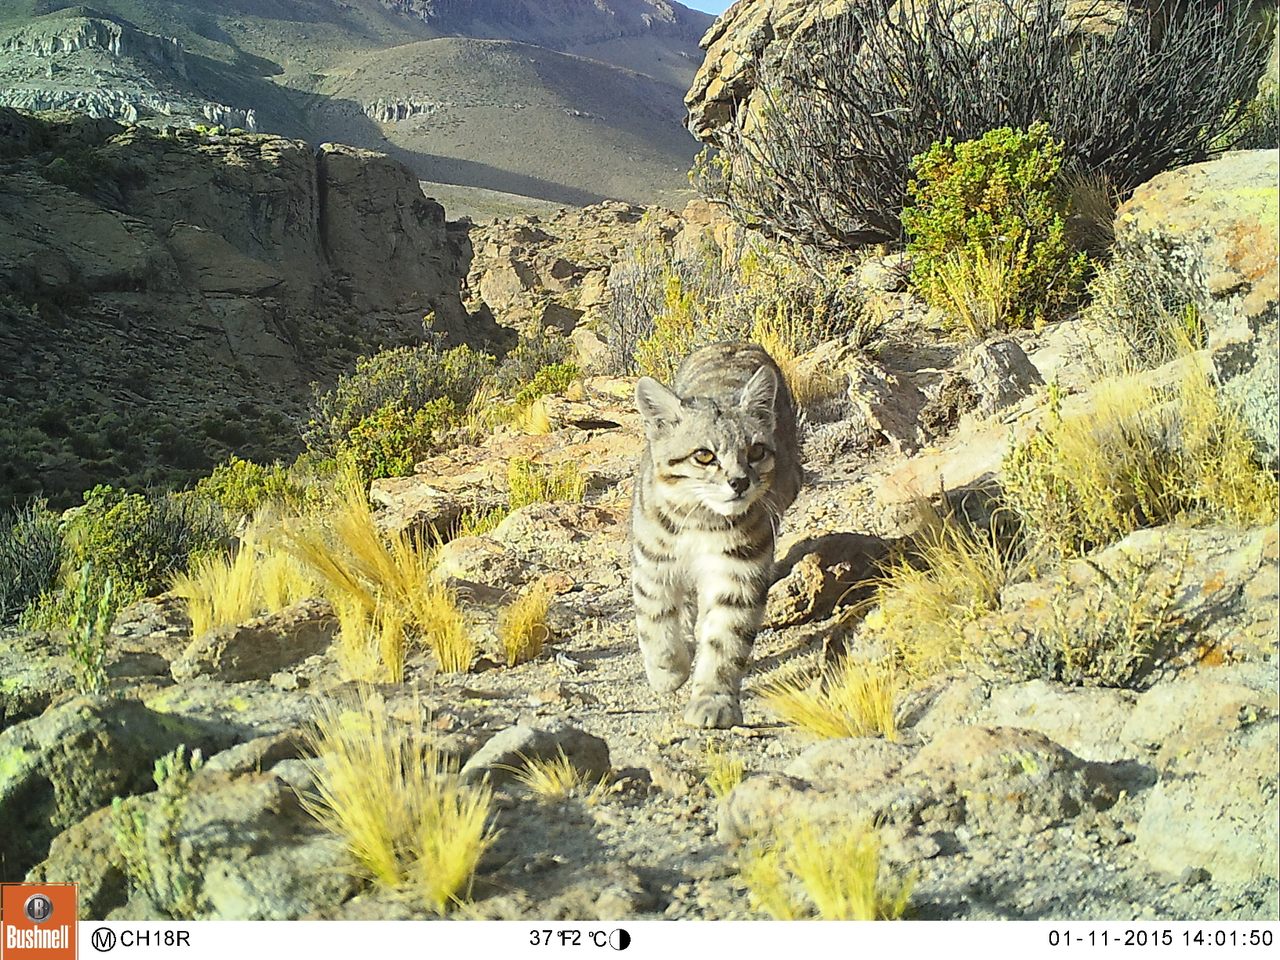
{"x":572,"y":102}
{"x":167,"y":297}
{"x":1123,"y":783}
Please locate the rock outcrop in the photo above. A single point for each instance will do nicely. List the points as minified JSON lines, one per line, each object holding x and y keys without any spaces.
{"x":1208,"y":231}
{"x":172,"y":276}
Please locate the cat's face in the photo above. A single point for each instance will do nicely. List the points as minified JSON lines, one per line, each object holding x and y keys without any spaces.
{"x":714,"y":456}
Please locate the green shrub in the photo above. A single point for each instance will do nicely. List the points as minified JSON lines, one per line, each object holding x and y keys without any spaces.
{"x":146,"y":835}
{"x":138,"y":541}
{"x":241,"y":486}
{"x":31,"y":551}
{"x":528,"y":358}
{"x":994,"y":198}
{"x":93,"y":609}
{"x":389,"y":441}
{"x":391,"y":387}
{"x":553,"y":378}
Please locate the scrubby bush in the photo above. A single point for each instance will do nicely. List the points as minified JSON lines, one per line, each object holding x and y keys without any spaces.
{"x":241,"y":487}
{"x":389,"y":441}
{"x":1137,"y":317}
{"x":824,"y":158}
{"x":31,"y":553}
{"x":992,"y":201}
{"x":1259,"y":127}
{"x":138,"y":541}
{"x":667,"y":302}
{"x":391,"y":387}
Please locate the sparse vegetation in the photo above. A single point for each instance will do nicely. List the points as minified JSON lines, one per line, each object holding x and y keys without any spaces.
{"x":667,"y":303}
{"x":529,"y":482}
{"x":986,"y":222}
{"x":823,"y":157}
{"x":830,"y":874}
{"x":522,"y":626}
{"x":1136,"y":459}
{"x":724,"y":771}
{"x":1138,"y":318}
{"x":375,"y":582}
{"x":384,"y":787}
{"x":852,"y":699}
{"x":146,"y":835}
{"x":1109,"y":635}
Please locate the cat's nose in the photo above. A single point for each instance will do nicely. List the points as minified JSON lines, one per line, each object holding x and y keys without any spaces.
{"x":739,"y":484}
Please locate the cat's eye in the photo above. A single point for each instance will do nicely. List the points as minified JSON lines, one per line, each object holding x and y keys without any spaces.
{"x":756,"y":452}
{"x":704,"y":457}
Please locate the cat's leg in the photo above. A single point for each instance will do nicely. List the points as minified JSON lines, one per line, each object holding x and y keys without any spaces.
{"x":661,"y":619}
{"x":731,"y":596}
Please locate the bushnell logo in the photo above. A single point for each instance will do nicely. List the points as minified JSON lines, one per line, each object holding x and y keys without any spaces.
{"x":38,"y":921}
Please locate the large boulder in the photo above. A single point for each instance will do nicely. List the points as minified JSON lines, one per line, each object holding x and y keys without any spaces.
{"x":257,"y":649}
{"x":73,"y":759}
{"x":1208,"y":231}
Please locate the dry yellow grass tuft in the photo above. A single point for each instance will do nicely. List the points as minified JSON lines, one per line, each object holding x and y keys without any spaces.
{"x":529,"y":482}
{"x":955,"y":575}
{"x":522,"y":626}
{"x":558,"y":779}
{"x":534,"y":419}
{"x":977,"y":290}
{"x":224,"y":590}
{"x":724,"y":771}
{"x":834,"y":874}
{"x":779,"y":333}
{"x":853,"y":699}
{"x":1137,"y":458}
{"x":385,"y":789}
{"x":383,"y":589}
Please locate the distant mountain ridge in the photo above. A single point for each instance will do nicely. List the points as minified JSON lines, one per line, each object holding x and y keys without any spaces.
{"x":524,"y":116}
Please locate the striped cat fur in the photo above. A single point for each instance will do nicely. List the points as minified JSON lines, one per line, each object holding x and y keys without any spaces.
{"x":719,"y":470}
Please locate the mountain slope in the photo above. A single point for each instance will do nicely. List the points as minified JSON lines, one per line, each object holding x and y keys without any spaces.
{"x":513,"y":117}
{"x":560,"y":100}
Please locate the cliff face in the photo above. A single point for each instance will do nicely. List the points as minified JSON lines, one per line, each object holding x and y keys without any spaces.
{"x":187,"y":290}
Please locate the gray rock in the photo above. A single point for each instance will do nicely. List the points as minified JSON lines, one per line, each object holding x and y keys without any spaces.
{"x":73,"y":759}
{"x":257,"y":649}
{"x":1216,"y":807}
{"x":1006,"y":774}
{"x":1000,"y":375}
{"x":32,"y":674}
{"x":514,"y":746}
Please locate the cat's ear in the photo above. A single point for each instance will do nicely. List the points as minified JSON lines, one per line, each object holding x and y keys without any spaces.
{"x":656,"y":403}
{"x":760,"y":392}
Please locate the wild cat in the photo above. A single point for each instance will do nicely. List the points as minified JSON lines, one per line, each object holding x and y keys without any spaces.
{"x":719,"y":470}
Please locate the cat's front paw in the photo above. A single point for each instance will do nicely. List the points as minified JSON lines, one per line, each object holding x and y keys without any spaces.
{"x":714,"y":710}
{"x":666,"y":679}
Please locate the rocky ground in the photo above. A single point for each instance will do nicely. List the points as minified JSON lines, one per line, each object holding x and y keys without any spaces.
{"x":1017,"y":799}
